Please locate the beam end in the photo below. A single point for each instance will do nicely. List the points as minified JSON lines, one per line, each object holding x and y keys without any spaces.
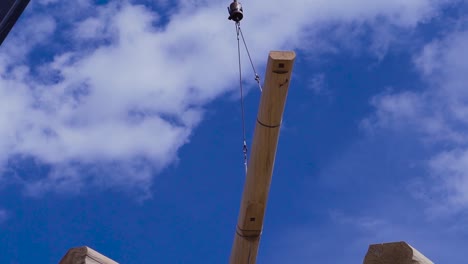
{"x":282,"y":55}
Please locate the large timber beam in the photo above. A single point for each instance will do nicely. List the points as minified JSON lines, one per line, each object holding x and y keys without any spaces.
{"x":394,"y":253}
{"x":262,"y":157}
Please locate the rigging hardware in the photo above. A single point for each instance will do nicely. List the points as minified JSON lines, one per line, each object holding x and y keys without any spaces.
{"x":236,"y":13}
{"x":241,"y":89}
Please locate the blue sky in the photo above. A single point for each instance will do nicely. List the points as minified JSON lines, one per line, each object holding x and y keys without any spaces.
{"x":120,"y":129}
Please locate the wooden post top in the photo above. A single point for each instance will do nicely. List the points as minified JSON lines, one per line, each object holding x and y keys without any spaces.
{"x":85,"y":255}
{"x":282,"y":55}
{"x":394,"y":253}
{"x":275,"y":88}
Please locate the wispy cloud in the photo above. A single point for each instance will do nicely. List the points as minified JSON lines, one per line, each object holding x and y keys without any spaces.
{"x":318,"y":84}
{"x":3,"y":216}
{"x":438,"y":117}
{"x":363,"y":223}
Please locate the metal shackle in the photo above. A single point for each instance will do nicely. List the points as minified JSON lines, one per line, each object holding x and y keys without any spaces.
{"x":235,"y":11}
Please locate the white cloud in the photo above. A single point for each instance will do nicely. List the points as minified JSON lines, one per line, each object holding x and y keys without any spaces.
{"x":37,"y":29}
{"x":363,"y":223}
{"x":451,"y":166}
{"x":120,"y":94}
{"x":412,"y":111}
{"x":318,"y":84}
{"x":438,"y":115}
{"x":46,"y":2}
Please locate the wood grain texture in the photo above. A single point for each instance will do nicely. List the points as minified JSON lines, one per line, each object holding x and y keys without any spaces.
{"x":394,"y":253}
{"x":262,"y":157}
{"x":85,"y":255}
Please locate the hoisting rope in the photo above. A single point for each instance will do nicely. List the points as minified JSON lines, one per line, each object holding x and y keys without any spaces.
{"x":244,"y":148}
{"x":236,"y":14}
{"x":257,"y":77}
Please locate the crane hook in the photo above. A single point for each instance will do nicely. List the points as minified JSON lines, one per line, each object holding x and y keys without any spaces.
{"x":236,"y":13}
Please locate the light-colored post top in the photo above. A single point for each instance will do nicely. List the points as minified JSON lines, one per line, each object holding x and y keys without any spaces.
{"x":394,"y":253}
{"x":275,"y":88}
{"x":282,"y":55}
{"x":85,"y":255}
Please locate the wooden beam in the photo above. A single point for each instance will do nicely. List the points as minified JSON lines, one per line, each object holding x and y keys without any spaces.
{"x":262,"y":157}
{"x":85,"y":255}
{"x":392,"y":253}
